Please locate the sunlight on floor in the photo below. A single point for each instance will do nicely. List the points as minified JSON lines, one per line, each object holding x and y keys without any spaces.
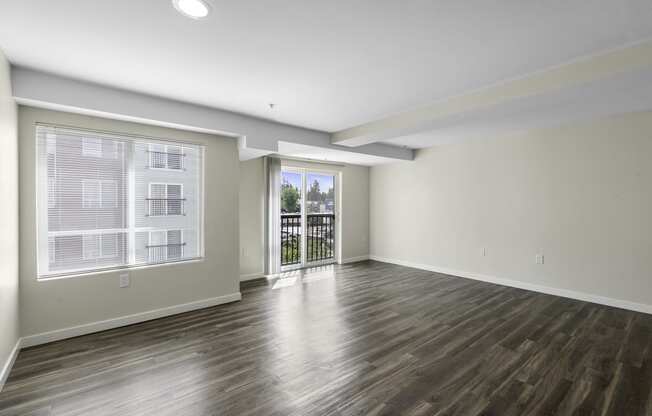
{"x":284,"y":282}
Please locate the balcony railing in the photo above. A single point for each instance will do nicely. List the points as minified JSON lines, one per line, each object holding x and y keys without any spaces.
{"x":163,"y":252}
{"x":165,"y":206}
{"x":320,"y":237}
{"x":290,"y":239}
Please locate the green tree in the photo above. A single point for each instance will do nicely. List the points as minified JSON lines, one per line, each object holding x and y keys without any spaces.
{"x":289,"y":198}
{"x":314,"y":194}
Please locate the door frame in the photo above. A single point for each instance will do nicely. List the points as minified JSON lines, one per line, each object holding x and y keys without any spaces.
{"x":303,"y":170}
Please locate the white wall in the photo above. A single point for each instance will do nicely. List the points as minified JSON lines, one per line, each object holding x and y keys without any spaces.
{"x":581,"y":195}
{"x":9,"y":322}
{"x":354,"y":218}
{"x":252,"y":218}
{"x":54,"y":305}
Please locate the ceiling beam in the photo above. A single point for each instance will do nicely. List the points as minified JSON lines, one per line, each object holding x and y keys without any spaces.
{"x":583,"y":71}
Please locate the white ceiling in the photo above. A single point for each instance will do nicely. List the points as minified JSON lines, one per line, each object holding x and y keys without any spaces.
{"x":327,"y":65}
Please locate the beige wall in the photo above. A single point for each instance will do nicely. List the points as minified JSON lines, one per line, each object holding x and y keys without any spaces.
{"x":355,"y":212}
{"x":9,"y":322}
{"x":252,"y":198}
{"x":57,"y":304}
{"x":581,"y":195}
{"x":354,"y":209}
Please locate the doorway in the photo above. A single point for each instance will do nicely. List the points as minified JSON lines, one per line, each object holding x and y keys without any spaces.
{"x":308,"y":217}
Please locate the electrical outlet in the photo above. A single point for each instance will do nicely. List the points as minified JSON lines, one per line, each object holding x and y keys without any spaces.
{"x":538,"y":259}
{"x":124,"y":280}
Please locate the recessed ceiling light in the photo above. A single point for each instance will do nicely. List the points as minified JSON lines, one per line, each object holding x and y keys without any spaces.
{"x":195,"y":9}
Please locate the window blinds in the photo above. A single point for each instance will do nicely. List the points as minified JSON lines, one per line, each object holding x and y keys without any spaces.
{"x":109,"y":201}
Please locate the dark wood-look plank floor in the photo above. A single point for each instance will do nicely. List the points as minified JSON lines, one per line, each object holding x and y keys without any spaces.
{"x":362,"y":339}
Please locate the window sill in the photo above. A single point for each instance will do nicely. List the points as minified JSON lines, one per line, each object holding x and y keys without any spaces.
{"x":114,"y":270}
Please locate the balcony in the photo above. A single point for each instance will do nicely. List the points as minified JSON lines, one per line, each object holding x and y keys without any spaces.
{"x":320,"y":238}
{"x":165,"y":206}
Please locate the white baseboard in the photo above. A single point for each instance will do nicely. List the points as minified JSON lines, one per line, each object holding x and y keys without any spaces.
{"x":354,"y":259}
{"x":45,"y":337}
{"x":566,"y":293}
{"x":252,"y":276}
{"x":6,"y":368}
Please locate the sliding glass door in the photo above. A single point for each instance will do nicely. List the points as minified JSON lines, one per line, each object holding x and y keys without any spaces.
{"x":308,"y":207}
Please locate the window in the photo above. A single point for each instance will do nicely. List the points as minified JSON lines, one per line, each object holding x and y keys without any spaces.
{"x":91,"y":147}
{"x":99,"y":148}
{"x":166,"y":156}
{"x":99,"y":246}
{"x":165,"y":199}
{"x":99,"y":193}
{"x":115,"y":212}
{"x":165,"y":246}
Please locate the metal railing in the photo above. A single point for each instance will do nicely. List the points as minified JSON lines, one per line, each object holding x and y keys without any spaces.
{"x":165,"y":206}
{"x":320,"y":235}
{"x":290,"y":239}
{"x":163,"y":252}
{"x":320,"y":238}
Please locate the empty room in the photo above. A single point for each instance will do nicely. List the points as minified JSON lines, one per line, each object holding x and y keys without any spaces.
{"x":341,"y":208}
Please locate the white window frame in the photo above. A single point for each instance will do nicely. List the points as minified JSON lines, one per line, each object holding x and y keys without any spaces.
{"x":166,"y":152}
{"x":129,"y":144}
{"x":166,"y":184}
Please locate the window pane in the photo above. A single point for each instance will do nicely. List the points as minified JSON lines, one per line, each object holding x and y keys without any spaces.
{"x":175,"y":247}
{"x":91,"y":247}
{"x":174,"y":200}
{"x":320,"y":196}
{"x":109,"y":245}
{"x":174,"y":157}
{"x":158,"y":159}
{"x":91,"y":147}
{"x":290,"y":192}
{"x":90,"y":193}
{"x":109,"y":194}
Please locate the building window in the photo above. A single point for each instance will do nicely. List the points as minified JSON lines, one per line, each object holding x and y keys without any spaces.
{"x":91,"y":147}
{"x":165,"y":245}
{"x":106,"y":229}
{"x":165,"y":199}
{"x":99,"y":148}
{"x":99,"y":193}
{"x":166,"y":156}
{"x":99,"y":246}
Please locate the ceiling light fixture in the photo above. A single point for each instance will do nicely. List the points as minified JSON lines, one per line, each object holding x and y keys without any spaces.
{"x":195,"y":9}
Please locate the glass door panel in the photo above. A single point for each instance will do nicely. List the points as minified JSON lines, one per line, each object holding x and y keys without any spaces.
{"x":291,"y":213}
{"x":320,"y":216}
